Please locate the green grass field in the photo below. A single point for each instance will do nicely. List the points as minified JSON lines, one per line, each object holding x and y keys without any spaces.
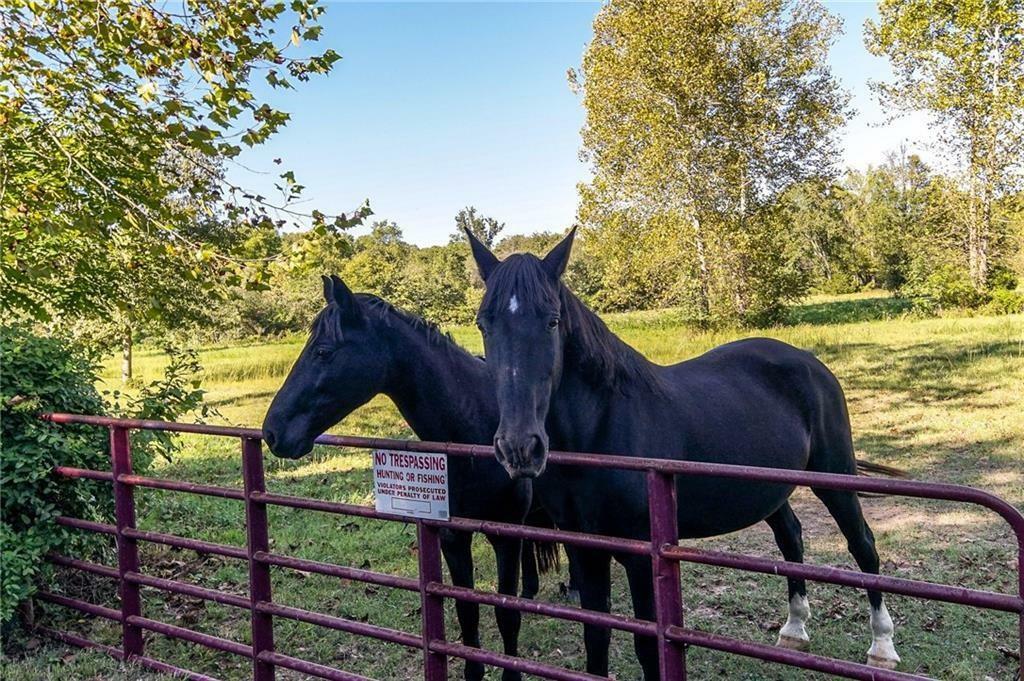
{"x":942,"y":398}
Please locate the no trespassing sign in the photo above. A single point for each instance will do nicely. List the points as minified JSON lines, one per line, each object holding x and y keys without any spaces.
{"x":411,"y":484}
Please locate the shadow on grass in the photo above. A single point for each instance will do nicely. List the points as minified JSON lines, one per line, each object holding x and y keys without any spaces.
{"x":265,"y":395}
{"x":847,"y":311}
{"x":924,"y":372}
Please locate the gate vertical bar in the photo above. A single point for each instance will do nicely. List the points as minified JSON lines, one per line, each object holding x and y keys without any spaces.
{"x":257,"y":539}
{"x":435,"y":665}
{"x":668,"y":600}
{"x":1018,"y":529}
{"x":127,"y":548}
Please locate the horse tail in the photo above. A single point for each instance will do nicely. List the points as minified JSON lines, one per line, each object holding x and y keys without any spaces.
{"x":869,"y":469}
{"x":548,"y":557}
{"x":545,"y":552}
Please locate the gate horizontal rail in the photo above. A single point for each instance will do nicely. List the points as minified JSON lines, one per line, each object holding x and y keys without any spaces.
{"x":664,"y":550}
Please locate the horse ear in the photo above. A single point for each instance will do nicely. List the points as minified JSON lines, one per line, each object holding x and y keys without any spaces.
{"x":328,"y":289}
{"x":485,"y":260}
{"x":342,"y":295}
{"x":556,"y":261}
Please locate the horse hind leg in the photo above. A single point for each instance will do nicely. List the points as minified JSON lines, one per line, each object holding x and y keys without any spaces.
{"x":789,"y":537}
{"x":845,"y":508}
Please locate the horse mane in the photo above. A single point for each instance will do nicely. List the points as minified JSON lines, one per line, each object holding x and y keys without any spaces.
{"x":388,"y":313}
{"x":603,"y":359}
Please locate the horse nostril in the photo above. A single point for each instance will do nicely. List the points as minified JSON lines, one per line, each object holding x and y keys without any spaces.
{"x":268,"y":437}
{"x":535,"y":448}
{"x":501,"y":448}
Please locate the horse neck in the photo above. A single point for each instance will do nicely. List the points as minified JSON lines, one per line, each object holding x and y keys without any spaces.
{"x":437,"y":386}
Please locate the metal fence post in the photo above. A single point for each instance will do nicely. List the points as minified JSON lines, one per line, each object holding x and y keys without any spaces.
{"x":668,"y":601}
{"x":127,"y":548}
{"x":435,"y":665}
{"x":257,"y":539}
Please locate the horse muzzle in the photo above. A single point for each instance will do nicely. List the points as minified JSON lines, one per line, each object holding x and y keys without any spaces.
{"x":521,"y":457}
{"x":285,"y":447}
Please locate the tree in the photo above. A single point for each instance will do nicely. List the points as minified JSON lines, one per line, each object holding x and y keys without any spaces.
{"x":815,"y":210}
{"x":378,"y":265}
{"x":437,"y":284}
{"x":963,"y":62}
{"x":484,"y":228}
{"x":113,"y":133}
{"x":894,"y":216}
{"x":699,"y":116}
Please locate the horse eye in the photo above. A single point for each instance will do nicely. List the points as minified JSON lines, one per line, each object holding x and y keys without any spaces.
{"x":323,"y":353}
{"x":553,"y":323}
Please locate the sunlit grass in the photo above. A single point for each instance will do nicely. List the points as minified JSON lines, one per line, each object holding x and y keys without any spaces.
{"x":940,"y":397}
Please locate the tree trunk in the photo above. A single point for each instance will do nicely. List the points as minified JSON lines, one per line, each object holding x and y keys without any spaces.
{"x":126,"y":353}
{"x":978,"y":220}
{"x":703,"y":277}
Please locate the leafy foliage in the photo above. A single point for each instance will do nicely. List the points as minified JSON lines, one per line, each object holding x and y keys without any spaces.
{"x":895,"y":226}
{"x":1005,"y":301}
{"x":115,"y":122}
{"x":43,"y":374}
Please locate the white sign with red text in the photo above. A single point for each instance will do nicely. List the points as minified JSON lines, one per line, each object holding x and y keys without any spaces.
{"x":411,"y":484}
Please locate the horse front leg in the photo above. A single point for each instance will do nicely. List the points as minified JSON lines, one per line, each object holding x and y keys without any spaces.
{"x":641,"y":591}
{"x":457,"y":550}
{"x":507,"y":551}
{"x":594,"y":569}
{"x":531,"y":576}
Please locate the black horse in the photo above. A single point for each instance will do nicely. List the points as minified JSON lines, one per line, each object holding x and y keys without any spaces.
{"x":560,"y":373}
{"x":361,"y":346}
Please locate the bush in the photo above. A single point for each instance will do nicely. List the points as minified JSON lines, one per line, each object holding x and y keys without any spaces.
{"x":949,"y":286}
{"x":1004,"y":301}
{"x":839,"y":283}
{"x":1002,"y":277}
{"x":43,"y":374}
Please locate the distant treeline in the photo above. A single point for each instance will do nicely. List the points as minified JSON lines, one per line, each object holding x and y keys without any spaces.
{"x":891,"y":227}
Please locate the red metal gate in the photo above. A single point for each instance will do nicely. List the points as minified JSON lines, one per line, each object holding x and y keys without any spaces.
{"x":672,"y":635}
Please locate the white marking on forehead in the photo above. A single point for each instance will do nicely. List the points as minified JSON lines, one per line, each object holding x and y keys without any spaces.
{"x":513,"y":304}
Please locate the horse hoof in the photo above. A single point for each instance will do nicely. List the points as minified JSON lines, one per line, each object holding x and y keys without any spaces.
{"x":793,"y":643}
{"x":883,"y":662}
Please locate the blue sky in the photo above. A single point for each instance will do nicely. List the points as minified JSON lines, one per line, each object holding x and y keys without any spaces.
{"x":438,"y":106}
